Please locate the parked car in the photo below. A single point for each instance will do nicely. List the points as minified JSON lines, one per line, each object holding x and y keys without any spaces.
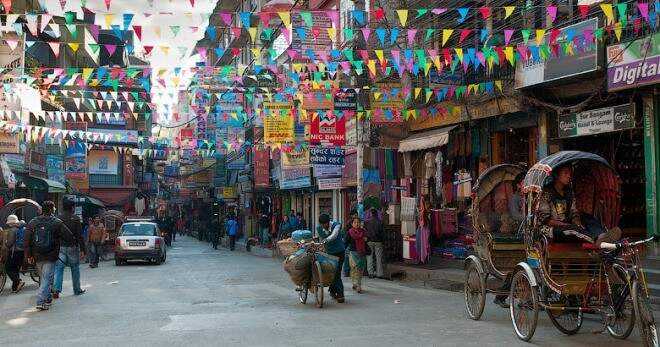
{"x":140,"y":240}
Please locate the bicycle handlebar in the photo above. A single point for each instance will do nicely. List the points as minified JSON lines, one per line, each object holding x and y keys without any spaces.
{"x":615,"y":246}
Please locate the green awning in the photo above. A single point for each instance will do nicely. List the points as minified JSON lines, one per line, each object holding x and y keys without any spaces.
{"x":43,"y":184}
{"x":94,"y":201}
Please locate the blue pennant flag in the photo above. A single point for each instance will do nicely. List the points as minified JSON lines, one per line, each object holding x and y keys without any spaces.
{"x":462,"y":12}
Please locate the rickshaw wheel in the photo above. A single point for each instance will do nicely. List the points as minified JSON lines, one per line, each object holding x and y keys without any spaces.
{"x":524,"y":306}
{"x":302,"y":294}
{"x":568,"y":322}
{"x":647,"y":327}
{"x":34,"y":275}
{"x":474,"y":290}
{"x":624,"y":319}
{"x":3,"y":279}
{"x":316,"y":275}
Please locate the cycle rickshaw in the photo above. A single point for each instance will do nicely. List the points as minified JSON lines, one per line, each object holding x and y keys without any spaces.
{"x":24,"y":209}
{"x":568,"y":280}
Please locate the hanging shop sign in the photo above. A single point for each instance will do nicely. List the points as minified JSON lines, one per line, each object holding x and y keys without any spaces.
{"x":323,"y":171}
{"x":585,"y":60}
{"x":261,"y":167}
{"x":346,"y":100}
{"x":327,"y":156}
{"x":38,"y":165}
{"x":598,"y":121}
{"x":75,"y":156}
{"x":219,"y":178}
{"x":290,"y":159}
{"x":316,"y":41}
{"x":236,"y":159}
{"x":453,"y":115}
{"x":278,"y":129}
{"x":634,"y":64}
{"x":9,"y":143}
{"x":295,"y":177}
{"x":349,"y":172}
{"x":55,"y":164}
{"x":327,"y":128}
{"x":329,"y":183}
{"x":103,"y":162}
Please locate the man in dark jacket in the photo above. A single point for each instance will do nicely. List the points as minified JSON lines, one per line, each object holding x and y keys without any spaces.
{"x":374,"y":229}
{"x":43,"y":236}
{"x":70,"y":252}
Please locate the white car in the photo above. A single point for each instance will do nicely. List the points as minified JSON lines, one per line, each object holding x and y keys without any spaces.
{"x":140,"y":240}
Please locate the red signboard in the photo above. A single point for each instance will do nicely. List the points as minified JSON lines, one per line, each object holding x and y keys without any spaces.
{"x":327,"y":128}
{"x":261,"y":168}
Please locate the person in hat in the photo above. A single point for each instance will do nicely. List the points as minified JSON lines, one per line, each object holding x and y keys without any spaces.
{"x":14,"y":244}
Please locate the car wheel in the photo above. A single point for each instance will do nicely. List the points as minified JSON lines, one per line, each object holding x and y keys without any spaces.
{"x":158,"y":261}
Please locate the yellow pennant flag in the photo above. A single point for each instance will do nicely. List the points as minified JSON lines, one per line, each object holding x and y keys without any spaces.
{"x":256,"y":54}
{"x":165,"y":50}
{"x":379,"y":55}
{"x":371,"y":64}
{"x":74,"y":46}
{"x":109,"y":18}
{"x":508,"y":53}
{"x":539,"y":36}
{"x":253,"y":33}
{"x":498,"y":85}
{"x":286,"y":18}
{"x":332,"y":33}
{"x":417,"y":91}
{"x":607,"y":10}
{"x":429,"y":94}
{"x":446,"y":33}
{"x":459,"y":53}
{"x":377,"y":95}
{"x":176,"y":80}
{"x":403,"y":16}
{"x":508,"y":11}
{"x":617,"y":31}
{"x":427,"y":68}
{"x":87,"y":72}
{"x":157,"y":30}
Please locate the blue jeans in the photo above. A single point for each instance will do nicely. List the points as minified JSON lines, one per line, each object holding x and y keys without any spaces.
{"x":69,"y":256}
{"x":46,"y":270}
{"x":264,"y":236}
{"x":337,"y":286}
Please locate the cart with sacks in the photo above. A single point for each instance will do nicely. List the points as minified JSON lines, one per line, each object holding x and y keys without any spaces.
{"x":309,"y":268}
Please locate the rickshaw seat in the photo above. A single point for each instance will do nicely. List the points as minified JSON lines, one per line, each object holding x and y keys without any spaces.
{"x":508,"y":243}
{"x":571,"y":247}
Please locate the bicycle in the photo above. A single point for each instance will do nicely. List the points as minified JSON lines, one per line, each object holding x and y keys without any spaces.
{"x":624,"y":258}
{"x":313,"y":283}
{"x":25,"y":270}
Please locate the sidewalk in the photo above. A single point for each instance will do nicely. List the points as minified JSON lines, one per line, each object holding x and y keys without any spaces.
{"x":438,"y":273}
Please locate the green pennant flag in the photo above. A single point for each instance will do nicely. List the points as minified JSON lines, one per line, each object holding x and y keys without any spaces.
{"x":328,"y":96}
{"x":421,"y":57}
{"x":71,"y":71}
{"x":306,"y":17}
{"x":268,"y":33}
{"x":249,"y":97}
{"x":83,"y":3}
{"x":525,"y":35}
{"x":429,"y":34}
{"x":622,"y":8}
{"x":454,"y":63}
{"x":348,"y":34}
{"x":545,"y":51}
{"x":114,"y":83}
{"x":69,"y":16}
{"x":147,"y":115}
{"x":273,"y":53}
{"x":132,"y":72}
{"x":140,"y":104}
{"x":225,"y":70}
{"x":348,"y":53}
{"x":598,"y":33}
{"x":421,"y":12}
{"x":94,"y":47}
{"x":317,"y":76}
{"x":73,"y":29}
{"x":175,"y":29}
{"x":136,"y":96}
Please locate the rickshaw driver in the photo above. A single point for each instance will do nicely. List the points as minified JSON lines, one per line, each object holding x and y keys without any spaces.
{"x":558,"y":211}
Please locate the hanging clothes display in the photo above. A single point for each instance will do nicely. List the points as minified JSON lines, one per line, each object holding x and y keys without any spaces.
{"x":462,"y":185}
{"x":139,"y":205}
{"x":438,"y":177}
{"x":423,"y":235}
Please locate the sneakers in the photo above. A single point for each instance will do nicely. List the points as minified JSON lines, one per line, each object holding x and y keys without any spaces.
{"x":611,"y":236}
{"x":340,"y":300}
{"x":43,"y":307}
{"x":81,"y":292}
{"x":56,"y":295}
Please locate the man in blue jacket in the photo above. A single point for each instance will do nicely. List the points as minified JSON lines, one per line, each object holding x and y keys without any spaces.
{"x":232,"y":231}
{"x":330,"y":234}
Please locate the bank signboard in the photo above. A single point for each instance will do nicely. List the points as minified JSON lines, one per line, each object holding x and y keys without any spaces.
{"x":634,"y":64}
{"x":597,"y":121}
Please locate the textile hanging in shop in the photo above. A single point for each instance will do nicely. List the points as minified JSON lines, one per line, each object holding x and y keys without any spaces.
{"x":429,"y":165}
{"x":438,"y":176}
{"x":462,"y":184}
{"x":139,"y":205}
{"x":407,"y":165}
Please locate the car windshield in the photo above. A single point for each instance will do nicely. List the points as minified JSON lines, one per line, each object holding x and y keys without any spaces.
{"x":137,"y":229}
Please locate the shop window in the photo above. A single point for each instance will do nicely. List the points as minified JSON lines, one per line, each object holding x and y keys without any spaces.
{"x":514,"y":146}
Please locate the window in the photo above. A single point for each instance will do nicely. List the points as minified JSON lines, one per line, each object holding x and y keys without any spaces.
{"x":138,"y":229}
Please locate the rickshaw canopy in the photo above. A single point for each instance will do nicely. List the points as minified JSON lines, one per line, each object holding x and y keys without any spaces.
{"x":493,"y":176}
{"x":30,"y":209}
{"x":540,"y":174}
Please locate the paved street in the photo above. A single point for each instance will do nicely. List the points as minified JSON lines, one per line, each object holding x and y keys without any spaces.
{"x":217,"y":298}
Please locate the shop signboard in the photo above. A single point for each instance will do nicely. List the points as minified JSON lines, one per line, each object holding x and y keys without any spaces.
{"x":321,"y":171}
{"x":318,"y":100}
{"x":349,"y":172}
{"x":38,"y":164}
{"x":386,"y":102}
{"x":9,"y":143}
{"x":634,"y":64}
{"x":278,"y":129}
{"x":327,"y":128}
{"x":315,"y":38}
{"x":261,"y":167}
{"x":597,"y":121}
{"x":75,"y":156}
{"x":329,"y":183}
{"x":229,"y":193}
{"x":103,"y":162}
{"x":585,"y":60}
{"x":292,"y":159}
{"x":327,"y":156}
{"x":453,"y":115}
{"x":295,"y":177}
{"x":219,"y":178}
{"x":55,"y":164}
{"x":346,"y":100}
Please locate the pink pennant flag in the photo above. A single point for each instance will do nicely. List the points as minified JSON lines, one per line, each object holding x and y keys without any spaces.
{"x":45,"y":19}
{"x":316,"y":31}
{"x":107,"y":4}
{"x":346,"y":66}
{"x":192,"y":3}
{"x":588,"y":36}
{"x":365,"y":33}
{"x":287,"y":35}
{"x":507,"y":35}
{"x":193,"y":29}
{"x":94,"y":31}
{"x":265,"y":18}
{"x":411,"y":36}
{"x":438,"y":11}
{"x":485,"y":12}
{"x":236,"y":31}
{"x":324,"y":56}
{"x":481,"y":58}
{"x":552,"y":12}
{"x":334,"y":17}
{"x":364,"y":55}
{"x":464,"y":34}
{"x":584,"y":10}
{"x":202,"y":52}
{"x":554,"y":34}
{"x":12,"y":44}
{"x":55,"y":47}
{"x":137,"y":29}
{"x":226,"y":17}
{"x":292,"y":53}
{"x":643,"y":8}
{"x":110,"y":48}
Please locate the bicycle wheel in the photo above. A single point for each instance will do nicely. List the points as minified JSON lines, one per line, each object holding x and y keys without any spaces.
{"x":3,"y":280}
{"x":524,"y":306}
{"x":643,"y":310}
{"x":34,"y":275}
{"x":568,"y":322}
{"x":302,"y":294}
{"x":319,"y":286}
{"x":474,"y":291}
{"x":624,"y":311}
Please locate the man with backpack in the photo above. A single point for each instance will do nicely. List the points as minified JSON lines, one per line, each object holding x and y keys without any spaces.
{"x":14,"y":245}
{"x":70,"y":252}
{"x":43,"y":237}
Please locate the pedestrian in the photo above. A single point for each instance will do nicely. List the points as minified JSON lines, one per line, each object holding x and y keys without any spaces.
{"x":174,"y":228}
{"x":232,"y":231}
{"x":302,"y":224}
{"x":215,"y":232}
{"x":14,"y":241}
{"x":356,"y":244}
{"x":293,"y":221}
{"x":70,"y":252}
{"x":285,"y":228}
{"x":264,"y":229}
{"x":374,"y":228}
{"x":330,"y":234}
{"x":43,"y":236}
{"x":97,"y":235}
{"x":169,"y":228}
{"x":346,"y":270}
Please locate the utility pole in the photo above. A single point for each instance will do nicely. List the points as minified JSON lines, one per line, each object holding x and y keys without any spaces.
{"x":360,"y":83}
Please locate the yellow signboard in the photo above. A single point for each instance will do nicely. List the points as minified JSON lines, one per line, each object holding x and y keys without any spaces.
{"x":278,"y":129}
{"x":229,"y":193}
{"x":296,"y":158}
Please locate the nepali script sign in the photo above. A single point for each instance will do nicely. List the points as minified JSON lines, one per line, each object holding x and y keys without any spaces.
{"x":326,"y":156}
{"x":633,"y":64}
{"x":597,"y":121}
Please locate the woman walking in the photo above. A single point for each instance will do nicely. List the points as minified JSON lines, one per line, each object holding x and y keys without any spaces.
{"x":285,"y":228}
{"x":356,"y":243}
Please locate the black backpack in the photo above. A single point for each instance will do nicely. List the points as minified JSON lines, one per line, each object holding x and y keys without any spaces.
{"x":43,"y":236}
